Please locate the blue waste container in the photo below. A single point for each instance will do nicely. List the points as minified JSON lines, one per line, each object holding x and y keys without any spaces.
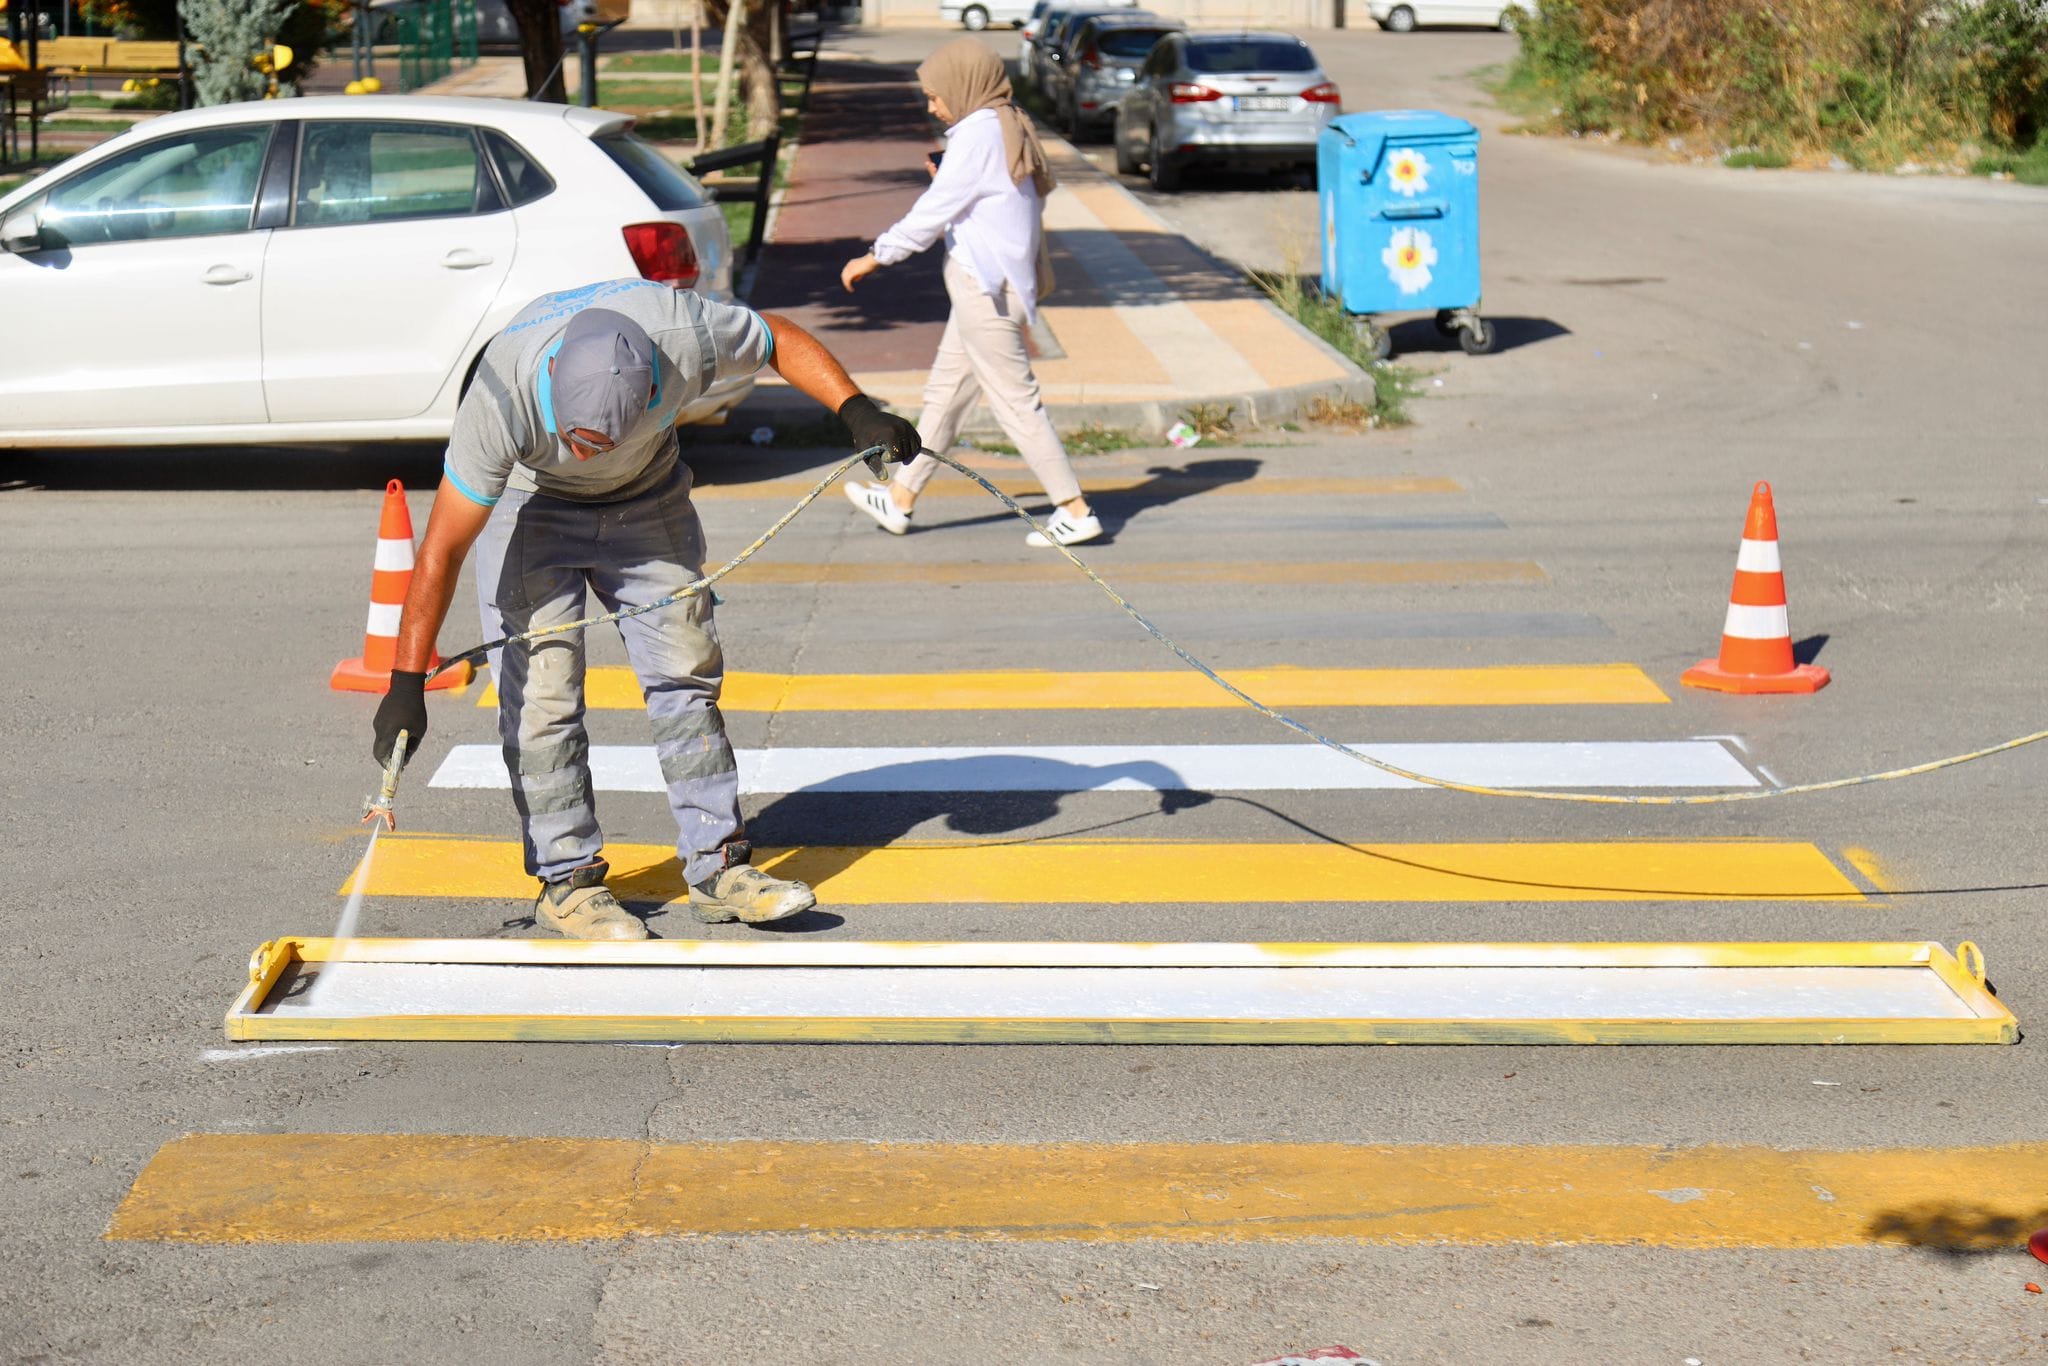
{"x":1399,"y":193}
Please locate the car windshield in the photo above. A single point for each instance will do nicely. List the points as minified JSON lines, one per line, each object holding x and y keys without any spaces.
{"x":1239,"y":56}
{"x":1128,"y":42}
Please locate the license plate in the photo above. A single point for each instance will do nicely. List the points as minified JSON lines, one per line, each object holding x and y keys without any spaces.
{"x":1264,"y":104}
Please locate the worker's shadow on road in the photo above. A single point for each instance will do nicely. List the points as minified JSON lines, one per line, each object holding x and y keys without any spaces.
{"x":1118,"y":507}
{"x":833,"y":825}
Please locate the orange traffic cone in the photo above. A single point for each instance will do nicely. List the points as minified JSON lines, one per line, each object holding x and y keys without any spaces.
{"x":1756,"y":642}
{"x":392,"y":576}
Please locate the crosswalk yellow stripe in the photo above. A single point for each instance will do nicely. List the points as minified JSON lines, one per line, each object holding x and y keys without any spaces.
{"x":1130,"y":873}
{"x":348,"y":1188}
{"x":615,"y":688}
{"x":785,"y":490}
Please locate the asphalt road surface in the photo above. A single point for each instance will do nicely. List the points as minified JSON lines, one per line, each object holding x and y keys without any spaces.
{"x":182,"y":786}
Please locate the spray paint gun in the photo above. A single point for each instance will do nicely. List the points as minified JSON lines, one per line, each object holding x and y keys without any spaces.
{"x":379,"y":806}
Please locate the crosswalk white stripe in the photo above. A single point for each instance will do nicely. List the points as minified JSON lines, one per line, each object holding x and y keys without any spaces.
{"x":1159,"y":768}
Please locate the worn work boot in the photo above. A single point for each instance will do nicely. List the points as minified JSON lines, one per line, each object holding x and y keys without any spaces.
{"x":582,"y":907}
{"x":745,"y":893}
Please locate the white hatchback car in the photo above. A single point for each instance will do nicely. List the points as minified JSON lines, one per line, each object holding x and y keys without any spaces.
{"x":1405,"y":16}
{"x":323,"y":269}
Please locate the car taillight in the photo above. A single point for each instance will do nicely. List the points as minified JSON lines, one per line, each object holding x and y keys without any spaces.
{"x":1187,"y":93}
{"x":1326,"y":93}
{"x":663,"y":252}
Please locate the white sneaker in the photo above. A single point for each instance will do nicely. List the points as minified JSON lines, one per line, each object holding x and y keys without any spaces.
{"x":1065,"y":530}
{"x":874,"y":500}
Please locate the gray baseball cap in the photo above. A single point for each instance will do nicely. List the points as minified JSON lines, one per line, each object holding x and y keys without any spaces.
{"x":604,"y":371}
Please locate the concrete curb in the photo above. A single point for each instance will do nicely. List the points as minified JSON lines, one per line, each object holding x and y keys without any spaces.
{"x":777,"y":405}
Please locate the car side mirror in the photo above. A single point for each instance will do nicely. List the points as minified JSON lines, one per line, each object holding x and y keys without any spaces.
{"x":20,"y":233}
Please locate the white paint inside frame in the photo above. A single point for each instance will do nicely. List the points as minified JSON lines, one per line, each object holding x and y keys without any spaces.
{"x":364,"y":989}
{"x":1161,"y":768}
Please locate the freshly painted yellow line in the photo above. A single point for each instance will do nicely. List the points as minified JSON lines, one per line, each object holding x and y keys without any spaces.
{"x":368,"y":1188}
{"x":1139,"y":874}
{"x":615,"y":688}
{"x":1277,"y":485}
{"x":930,"y":573}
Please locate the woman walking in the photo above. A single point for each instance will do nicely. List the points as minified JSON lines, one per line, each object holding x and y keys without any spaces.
{"x":986,"y":200}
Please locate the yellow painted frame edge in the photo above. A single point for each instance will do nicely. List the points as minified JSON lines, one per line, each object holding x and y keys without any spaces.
{"x":266,"y":966}
{"x":700,"y":1029}
{"x":1991,"y":1022}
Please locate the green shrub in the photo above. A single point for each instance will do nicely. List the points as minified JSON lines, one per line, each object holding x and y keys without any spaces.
{"x":1875,"y":82}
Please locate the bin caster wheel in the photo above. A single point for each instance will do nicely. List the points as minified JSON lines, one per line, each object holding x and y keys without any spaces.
{"x":1447,"y":322}
{"x":1476,"y":337}
{"x":1377,"y":341}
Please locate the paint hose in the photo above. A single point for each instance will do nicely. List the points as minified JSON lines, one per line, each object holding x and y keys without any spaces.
{"x":1301,"y":728}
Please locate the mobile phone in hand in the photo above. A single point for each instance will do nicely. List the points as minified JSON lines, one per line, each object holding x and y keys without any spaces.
{"x":935,"y":158}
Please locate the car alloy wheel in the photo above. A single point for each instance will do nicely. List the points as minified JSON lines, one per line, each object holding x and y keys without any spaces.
{"x":1402,"y":20}
{"x":975,"y":18}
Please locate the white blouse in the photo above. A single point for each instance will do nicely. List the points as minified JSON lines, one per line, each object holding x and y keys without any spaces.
{"x":989,"y":222}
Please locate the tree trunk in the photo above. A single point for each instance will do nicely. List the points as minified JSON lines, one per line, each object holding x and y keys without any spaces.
{"x":697,"y":68}
{"x":756,"y":68}
{"x":540,"y":45}
{"x":728,"y":62}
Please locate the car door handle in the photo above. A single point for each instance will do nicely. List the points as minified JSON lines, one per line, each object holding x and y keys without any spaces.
{"x":462,"y":258}
{"x":225,"y":275}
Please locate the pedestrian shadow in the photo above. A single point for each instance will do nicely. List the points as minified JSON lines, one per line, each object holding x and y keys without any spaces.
{"x":1118,"y":507}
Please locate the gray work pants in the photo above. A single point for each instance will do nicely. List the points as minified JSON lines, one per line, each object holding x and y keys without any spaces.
{"x":537,"y":560}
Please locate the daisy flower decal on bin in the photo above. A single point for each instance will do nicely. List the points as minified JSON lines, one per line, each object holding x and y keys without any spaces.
{"x":1408,"y":256}
{"x":1407,"y":172}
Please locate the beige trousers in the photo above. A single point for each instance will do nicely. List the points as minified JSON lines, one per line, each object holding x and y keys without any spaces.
{"x":982,"y":356}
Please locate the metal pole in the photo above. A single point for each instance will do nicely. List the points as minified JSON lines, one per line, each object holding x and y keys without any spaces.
{"x":586,"y":39}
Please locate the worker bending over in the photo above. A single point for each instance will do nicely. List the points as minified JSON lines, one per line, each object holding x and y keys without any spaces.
{"x":563,"y":469}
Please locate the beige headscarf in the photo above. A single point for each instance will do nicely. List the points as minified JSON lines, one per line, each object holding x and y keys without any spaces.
{"x":967,"y":75}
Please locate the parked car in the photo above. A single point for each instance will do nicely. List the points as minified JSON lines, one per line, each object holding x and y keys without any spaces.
{"x":1031,"y":25}
{"x":1099,"y":66}
{"x":1405,"y":16}
{"x":1041,"y":54}
{"x":977,"y":15}
{"x":1237,"y":100}
{"x":321,"y":269}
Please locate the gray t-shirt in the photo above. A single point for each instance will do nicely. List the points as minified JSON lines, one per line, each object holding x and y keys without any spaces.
{"x":505,"y":429}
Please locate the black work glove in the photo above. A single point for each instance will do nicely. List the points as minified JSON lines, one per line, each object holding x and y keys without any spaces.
{"x":871,"y":426}
{"x":404,"y":708}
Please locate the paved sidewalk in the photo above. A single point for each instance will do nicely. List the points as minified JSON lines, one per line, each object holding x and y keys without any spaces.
{"x":1150,"y":324}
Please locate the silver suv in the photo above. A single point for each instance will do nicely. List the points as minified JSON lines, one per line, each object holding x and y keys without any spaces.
{"x":1098,"y":68}
{"x":1238,"y":100}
